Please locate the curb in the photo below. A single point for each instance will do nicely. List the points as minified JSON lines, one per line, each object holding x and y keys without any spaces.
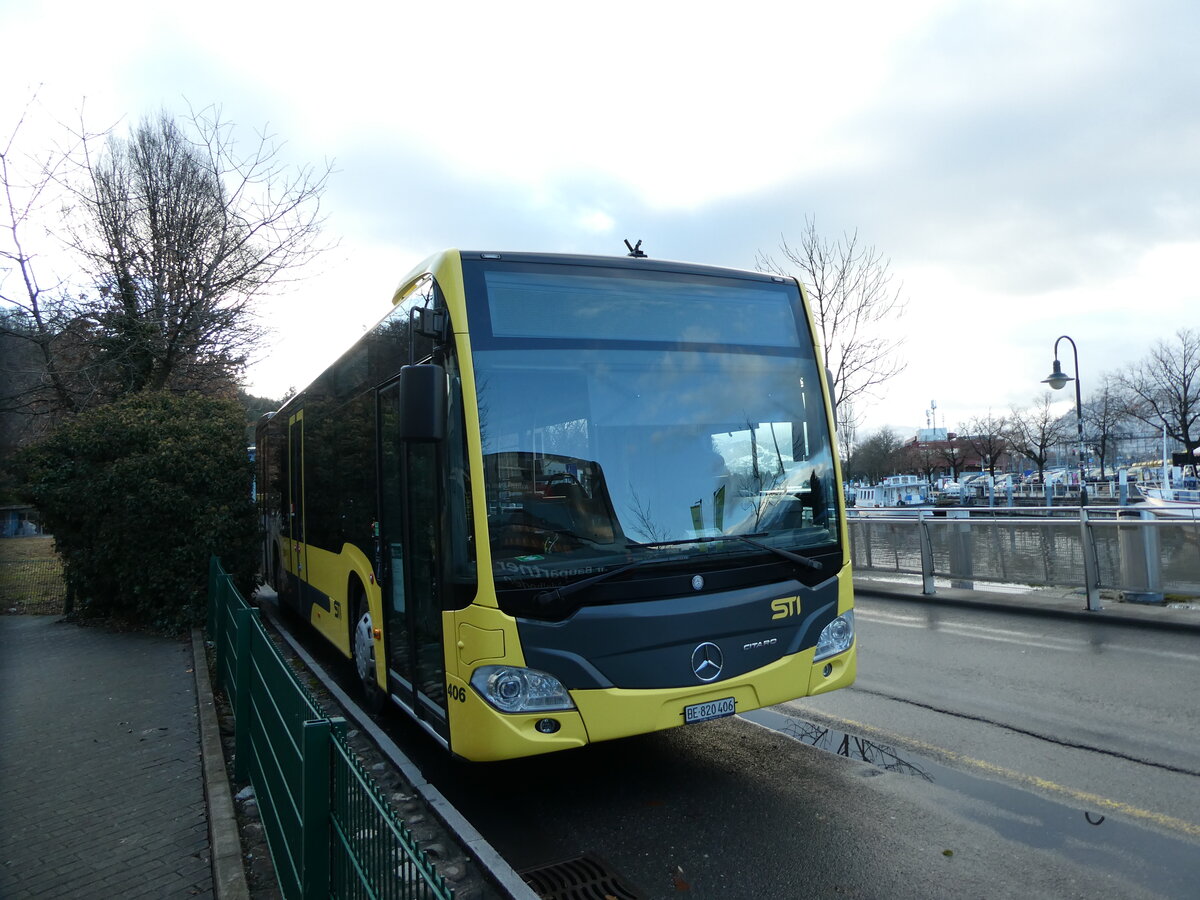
{"x":229,"y":876}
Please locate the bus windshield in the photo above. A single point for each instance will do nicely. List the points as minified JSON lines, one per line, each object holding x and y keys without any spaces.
{"x":629,"y":416}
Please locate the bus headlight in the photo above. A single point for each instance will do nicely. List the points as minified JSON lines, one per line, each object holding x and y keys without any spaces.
{"x":514,"y":690}
{"x":836,"y":637}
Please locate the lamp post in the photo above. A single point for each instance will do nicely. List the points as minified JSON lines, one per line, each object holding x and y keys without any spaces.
{"x":1058,"y":380}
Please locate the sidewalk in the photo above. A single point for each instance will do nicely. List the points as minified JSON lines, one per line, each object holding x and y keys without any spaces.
{"x":101,"y":782}
{"x":1034,"y":601}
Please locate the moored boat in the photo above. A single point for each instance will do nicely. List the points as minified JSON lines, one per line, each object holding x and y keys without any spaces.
{"x":1165,"y":499}
{"x":1173,"y":502}
{"x":895,"y":494}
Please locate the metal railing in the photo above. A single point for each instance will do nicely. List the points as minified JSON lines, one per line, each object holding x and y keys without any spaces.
{"x":1144,"y":557}
{"x":330,"y":830}
{"x":1005,"y":492}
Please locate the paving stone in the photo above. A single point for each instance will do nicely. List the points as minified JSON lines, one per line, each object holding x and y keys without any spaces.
{"x":101,"y":789}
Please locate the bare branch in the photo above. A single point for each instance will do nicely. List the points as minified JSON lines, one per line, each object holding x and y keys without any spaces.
{"x":1164,"y":388}
{"x":1032,"y":432}
{"x":1104,"y":415}
{"x":986,"y":435}
{"x":43,"y":316}
{"x":850,"y":289}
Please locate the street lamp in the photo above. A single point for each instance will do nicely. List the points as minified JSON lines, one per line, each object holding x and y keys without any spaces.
{"x":1058,"y":380}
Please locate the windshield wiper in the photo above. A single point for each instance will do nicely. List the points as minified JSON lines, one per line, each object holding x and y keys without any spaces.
{"x":744,"y":538}
{"x":779,"y":551}
{"x":707,"y":539}
{"x":546,"y":598}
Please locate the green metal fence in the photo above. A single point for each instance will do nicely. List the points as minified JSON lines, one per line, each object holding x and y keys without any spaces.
{"x":330,"y":829}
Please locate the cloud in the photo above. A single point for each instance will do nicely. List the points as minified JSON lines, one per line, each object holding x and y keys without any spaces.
{"x":1036,"y":148}
{"x":1028,"y":168}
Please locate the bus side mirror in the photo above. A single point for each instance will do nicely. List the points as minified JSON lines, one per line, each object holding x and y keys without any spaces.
{"x":422,"y":403}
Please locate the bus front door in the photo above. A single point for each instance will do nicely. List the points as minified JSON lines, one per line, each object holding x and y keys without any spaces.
{"x":410,"y":548}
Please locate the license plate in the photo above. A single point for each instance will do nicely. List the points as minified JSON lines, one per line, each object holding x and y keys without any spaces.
{"x":714,"y":709}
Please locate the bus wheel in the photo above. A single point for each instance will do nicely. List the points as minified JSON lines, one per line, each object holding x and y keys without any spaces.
{"x":362,"y":645}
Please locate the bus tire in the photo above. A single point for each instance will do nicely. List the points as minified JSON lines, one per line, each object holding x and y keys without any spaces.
{"x":362,"y":648}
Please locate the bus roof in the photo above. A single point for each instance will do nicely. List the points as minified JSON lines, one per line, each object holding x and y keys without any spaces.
{"x":434,"y":262}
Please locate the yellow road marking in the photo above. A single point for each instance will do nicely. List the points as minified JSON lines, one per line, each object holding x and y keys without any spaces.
{"x":1084,"y":798}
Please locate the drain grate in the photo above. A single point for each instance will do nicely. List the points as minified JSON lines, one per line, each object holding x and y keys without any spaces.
{"x":580,"y":878}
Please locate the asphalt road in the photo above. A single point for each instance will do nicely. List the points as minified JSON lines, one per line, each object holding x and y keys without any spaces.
{"x":1081,"y":711}
{"x":1011,"y":757}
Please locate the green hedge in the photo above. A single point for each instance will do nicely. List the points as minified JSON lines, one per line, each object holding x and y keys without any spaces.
{"x":139,"y":494}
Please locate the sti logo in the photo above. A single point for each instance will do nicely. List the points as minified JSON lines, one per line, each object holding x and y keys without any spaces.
{"x":784,"y":607}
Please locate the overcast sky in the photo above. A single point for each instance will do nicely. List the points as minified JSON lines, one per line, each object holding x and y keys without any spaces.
{"x":1029,"y":168}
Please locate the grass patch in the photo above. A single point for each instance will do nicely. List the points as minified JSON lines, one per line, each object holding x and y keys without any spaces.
{"x":19,"y":548}
{"x":31,"y":580}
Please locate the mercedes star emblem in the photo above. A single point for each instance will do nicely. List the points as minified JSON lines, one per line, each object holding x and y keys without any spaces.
{"x":707,"y":661}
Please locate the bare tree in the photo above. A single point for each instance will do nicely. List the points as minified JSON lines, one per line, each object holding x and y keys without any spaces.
{"x":1032,"y":432}
{"x":986,"y":436}
{"x":1164,"y":388}
{"x":847,"y":429}
{"x":953,"y":453}
{"x":923,"y":457}
{"x":179,"y":232}
{"x":40,"y":328}
{"x":850,"y":288}
{"x":1104,"y":415}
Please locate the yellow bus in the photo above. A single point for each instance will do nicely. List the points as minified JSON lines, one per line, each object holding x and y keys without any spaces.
{"x":550,"y":500}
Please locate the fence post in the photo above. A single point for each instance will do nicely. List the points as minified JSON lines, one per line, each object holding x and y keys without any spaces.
{"x":316,"y":788}
{"x":1154,"y":558}
{"x":244,"y":620}
{"x":927,"y":586}
{"x":1091,"y":568}
{"x":1141,"y":563}
{"x":961,"y":568}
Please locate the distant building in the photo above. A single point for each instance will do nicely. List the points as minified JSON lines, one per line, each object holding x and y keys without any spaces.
{"x":19,"y":521}
{"x":940,"y":454}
